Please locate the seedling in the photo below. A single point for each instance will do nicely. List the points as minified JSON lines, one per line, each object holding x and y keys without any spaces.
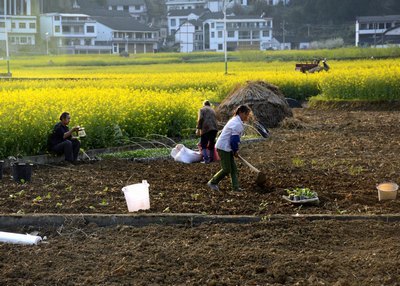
{"x":297,"y":194}
{"x":195,"y":196}
{"x":263,"y":206}
{"x":21,"y":193}
{"x":38,"y":199}
{"x":297,"y":162}
{"x":355,"y":170}
{"x":103,"y":203}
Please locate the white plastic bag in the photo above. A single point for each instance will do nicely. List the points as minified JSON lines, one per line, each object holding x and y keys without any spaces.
{"x":182,"y":154}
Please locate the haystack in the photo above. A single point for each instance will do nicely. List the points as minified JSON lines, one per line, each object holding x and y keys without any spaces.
{"x":266,"y":101}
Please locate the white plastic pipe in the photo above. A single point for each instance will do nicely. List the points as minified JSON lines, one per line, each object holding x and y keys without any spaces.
{"x":17,"y":238}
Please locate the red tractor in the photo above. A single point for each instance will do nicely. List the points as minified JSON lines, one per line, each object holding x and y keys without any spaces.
{"x":312,"y":67}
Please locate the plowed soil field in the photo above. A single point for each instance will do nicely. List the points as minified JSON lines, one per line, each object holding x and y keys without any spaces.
{"x":341,"y":155}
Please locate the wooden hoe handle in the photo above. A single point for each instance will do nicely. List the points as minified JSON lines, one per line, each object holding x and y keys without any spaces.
{"x":249,"y":165}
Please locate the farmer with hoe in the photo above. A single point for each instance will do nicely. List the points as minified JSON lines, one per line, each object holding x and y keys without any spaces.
{"x":61,"y":140}
{"x":207,"y":128}
{"x":228,"y":148}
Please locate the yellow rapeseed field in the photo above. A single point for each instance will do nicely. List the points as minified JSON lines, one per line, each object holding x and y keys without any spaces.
{"x":119,"y":103}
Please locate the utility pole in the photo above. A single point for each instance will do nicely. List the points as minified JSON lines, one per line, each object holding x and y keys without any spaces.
{"x":225,"y":4}
{"x":283,"y":34}
{"x":47,"y":43}
{"x":6,"y":36}
{"x":225,"y":48}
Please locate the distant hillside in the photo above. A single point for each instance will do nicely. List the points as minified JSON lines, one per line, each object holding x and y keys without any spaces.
{"x":56,"y":5}
{"x":323,"y":19}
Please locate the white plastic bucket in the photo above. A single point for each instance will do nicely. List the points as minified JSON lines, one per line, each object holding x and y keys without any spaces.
{"x":387,"y":191}
{"x":137,"y":196}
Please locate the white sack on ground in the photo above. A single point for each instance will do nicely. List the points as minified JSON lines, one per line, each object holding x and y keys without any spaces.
{"x":183,"y":154}
{"x":17,"y":238}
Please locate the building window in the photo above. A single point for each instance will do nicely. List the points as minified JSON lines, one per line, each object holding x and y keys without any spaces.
{"x":231,"y":34}
{"x":212,"y":25}
{"x":219,"y":34}
{"x":256,"y":34}
{"x":56,"y":18}
{"x":363,"y":26}
{"x":12,"y":25}
{"x":32,"y":25}
{"x":244,"y":35}
{"x":23,"y":40}
{"x":22,"y":25}
{"x":265,"y":34}
{"x":2,"y":24}
{"x":220,"y":47}
{"x":90,"y":29}
{"x":212,"y":34}
{"x":57,"y":29}
{"x":126,"y":8}
{"x":173,"y":22}
{"x":137,"y":7}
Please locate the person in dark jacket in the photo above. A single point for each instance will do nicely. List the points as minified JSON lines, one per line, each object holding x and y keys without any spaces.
{"x":62,"y":141}
{"x":207,"y":128}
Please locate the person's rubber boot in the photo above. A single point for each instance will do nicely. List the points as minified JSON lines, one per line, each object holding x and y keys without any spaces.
{"x":205,"y":156}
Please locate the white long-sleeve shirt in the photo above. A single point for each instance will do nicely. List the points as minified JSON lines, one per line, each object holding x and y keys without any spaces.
{"x":234,"y":126}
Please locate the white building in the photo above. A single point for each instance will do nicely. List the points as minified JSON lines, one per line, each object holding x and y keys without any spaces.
{"x":20,"y":20}
{"x":68,"y":33}
{"x":378,"y":31}
{"x":137,"y":8}
{"x":185,"y":4}
{"x":214,"y":5}
{"x":205,"y":31}
{"x":242,"y":32}
{"x":126,"y":34}
{"x":276,"y":2}
{"x":178,"y":17}
{"x":190,"y":36}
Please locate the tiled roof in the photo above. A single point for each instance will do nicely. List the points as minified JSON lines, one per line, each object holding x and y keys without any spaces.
{"x":186,"y":12}
{"x":125,"y":2}
{"x":123,"y":24}
{"x":378,"y":18}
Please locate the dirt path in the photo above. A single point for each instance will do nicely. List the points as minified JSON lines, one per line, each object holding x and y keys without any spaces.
{"x":341,"y":155}
{"x":270,"y":253}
